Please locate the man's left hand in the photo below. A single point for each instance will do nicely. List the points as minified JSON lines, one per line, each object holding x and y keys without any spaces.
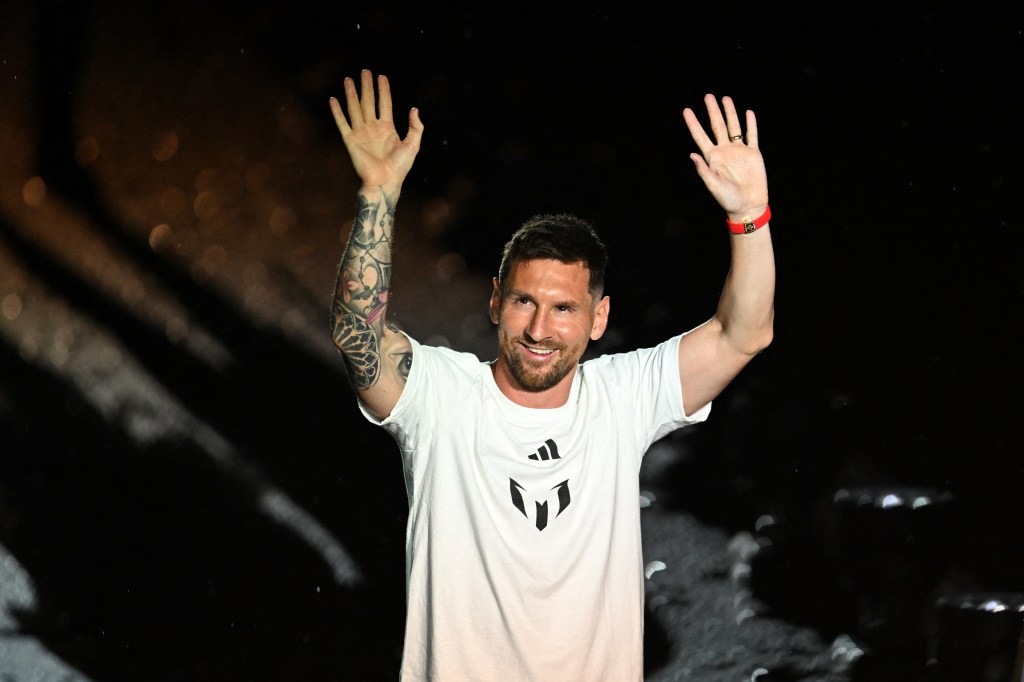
{"x":731,"y":168}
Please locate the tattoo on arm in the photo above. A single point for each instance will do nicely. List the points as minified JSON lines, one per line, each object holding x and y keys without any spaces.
{"x":361,"y":295}
{"x":404,"y":364}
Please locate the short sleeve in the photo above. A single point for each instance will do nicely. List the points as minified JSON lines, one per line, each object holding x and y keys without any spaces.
{"x":645,"y":387}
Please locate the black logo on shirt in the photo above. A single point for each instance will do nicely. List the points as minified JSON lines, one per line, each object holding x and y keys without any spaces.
{"x":542,"y":507}
{"x":547,"y":451}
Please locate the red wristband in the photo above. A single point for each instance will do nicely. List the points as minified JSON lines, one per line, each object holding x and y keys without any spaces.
{"x":748,"y":226}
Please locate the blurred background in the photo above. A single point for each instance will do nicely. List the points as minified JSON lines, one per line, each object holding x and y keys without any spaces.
{"x":187,"y":491}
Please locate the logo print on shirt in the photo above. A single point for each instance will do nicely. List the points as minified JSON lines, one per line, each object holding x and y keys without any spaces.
{"x":542,"y":507}
{"x":547,"y":451}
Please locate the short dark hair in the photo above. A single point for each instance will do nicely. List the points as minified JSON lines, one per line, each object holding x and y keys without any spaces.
{"x":562,"y":237}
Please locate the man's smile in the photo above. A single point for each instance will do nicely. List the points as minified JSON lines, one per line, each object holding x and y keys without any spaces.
{"x":537,"y":350}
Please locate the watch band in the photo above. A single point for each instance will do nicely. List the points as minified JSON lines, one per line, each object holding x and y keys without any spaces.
{"x":748,"y":226}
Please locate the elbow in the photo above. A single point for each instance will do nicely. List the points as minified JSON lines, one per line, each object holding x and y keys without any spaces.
{"x":764,"y":340}
{"x":752,"y":340}
{"x":767,"y":333}
{"x":755,"y":344}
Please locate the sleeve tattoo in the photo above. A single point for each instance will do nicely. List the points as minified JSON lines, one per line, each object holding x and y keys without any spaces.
{"x":361,"y":296}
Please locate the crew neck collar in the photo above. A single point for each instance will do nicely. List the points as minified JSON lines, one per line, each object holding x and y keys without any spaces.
{"x":514,"y":409}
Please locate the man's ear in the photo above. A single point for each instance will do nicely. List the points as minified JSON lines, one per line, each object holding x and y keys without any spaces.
{"x":601,"y":311}
{"x":495,"y":306}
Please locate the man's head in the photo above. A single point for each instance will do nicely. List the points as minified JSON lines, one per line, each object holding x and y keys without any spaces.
{"x":560,"y":237}
{"x":548,"y":306}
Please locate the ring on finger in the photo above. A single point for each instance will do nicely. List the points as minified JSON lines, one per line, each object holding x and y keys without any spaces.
{"x":735,"y":138}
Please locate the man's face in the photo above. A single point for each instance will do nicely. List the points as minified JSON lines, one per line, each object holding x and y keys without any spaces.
{"x":545,"y":317}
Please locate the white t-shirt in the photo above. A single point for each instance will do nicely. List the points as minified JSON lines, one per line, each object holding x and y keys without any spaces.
{"x":523,"y":556}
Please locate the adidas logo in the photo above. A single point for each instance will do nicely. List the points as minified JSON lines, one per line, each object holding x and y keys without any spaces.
{"x":545,"y":452}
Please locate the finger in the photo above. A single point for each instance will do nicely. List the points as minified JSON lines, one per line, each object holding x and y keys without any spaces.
{"x":751,"y":129}
{"x":355,"y":115}
{"x":339,"y":117}
{"x":415,"y":134}
{"x":732,"y":120}
{"x":702,"y":169}
{"x":704,"y":143}
{"x":384,"y":89}
{"x":366,"y":98}
{"x":717,"y":122}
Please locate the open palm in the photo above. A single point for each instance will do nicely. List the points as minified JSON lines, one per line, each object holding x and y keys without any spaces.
{"x":380,"y":157}
{"x":732,"y":170}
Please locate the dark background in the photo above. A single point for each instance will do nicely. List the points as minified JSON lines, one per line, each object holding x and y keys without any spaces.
{"x":892,"y":139}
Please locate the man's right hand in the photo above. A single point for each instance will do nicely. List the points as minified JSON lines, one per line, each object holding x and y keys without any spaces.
{"x":378,"y":357}
{"x":380,"y":157}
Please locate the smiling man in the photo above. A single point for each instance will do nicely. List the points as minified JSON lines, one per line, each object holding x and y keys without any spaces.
{"x":524,"y":559}
{"x":548,"y":305}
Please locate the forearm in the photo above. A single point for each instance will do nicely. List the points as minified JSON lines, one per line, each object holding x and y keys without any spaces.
{"x":361,"y":295}
{"x":746,"y":308}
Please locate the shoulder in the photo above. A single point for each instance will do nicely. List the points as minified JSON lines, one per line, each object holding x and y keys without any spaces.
{"x":455,"y":359}
{"x":630,"y":361}
{"x":442,"y":364}
{"x":436,"y":374}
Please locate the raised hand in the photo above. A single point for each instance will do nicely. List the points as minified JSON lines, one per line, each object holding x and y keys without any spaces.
{"x":732,"y":170}
{"x":379,"y":155}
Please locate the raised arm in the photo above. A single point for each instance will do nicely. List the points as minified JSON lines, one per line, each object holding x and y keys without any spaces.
{"x":733,"y":170}
{"x":377,"y":356}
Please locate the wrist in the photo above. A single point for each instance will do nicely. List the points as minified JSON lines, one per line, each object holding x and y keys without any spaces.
{"x":749,"y":213}
{"x":748,"y":221}
{"x":389,"y":190}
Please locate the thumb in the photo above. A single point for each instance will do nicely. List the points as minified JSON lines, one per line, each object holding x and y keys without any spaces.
{"x":702,"y":167}
{"x":415,"y":134}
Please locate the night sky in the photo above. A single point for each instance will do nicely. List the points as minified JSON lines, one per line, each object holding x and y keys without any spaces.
{"x":892,"y":138}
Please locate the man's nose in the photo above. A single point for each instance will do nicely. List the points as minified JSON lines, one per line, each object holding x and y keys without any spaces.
{"x":538,"y":327}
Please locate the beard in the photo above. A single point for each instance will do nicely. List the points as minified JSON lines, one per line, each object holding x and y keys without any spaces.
{"x":537,"y":377}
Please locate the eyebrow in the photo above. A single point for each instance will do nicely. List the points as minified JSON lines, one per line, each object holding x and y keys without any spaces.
{"x":517,"y":293}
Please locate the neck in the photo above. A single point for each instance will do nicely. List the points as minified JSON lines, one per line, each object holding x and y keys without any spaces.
{"x":556,"y":396}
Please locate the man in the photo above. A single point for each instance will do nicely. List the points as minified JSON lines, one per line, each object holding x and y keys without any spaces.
{"x":523,"y":544}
